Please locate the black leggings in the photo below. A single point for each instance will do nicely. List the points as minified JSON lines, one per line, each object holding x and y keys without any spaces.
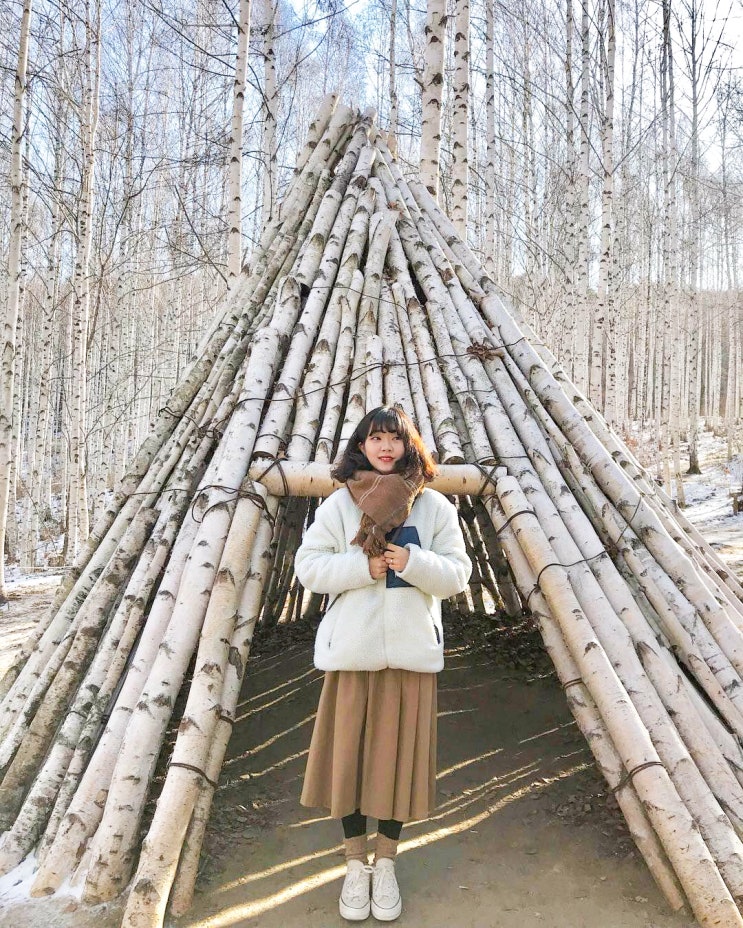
{"x":354,"y":825}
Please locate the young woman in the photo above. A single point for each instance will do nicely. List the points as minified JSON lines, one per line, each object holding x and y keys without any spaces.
{"x":386,"y":551}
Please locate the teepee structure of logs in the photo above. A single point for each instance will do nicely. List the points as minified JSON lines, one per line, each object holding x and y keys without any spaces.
{"x":361,"y":293}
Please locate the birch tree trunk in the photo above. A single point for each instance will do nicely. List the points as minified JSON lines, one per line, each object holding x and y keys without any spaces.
{"x":585,"y":712}
{"x":433,"y":85}
{"x":10,"y":322}
{"x":602,"y":368}
{"x":693,"y":54}
{"x":582,"y":311}
{"x":528,"y":180}
{"x":162,"y":847}
{"x":270,"y":108}
{"x":77,"y":502}
{"x":490,"y":142}
{"x":113,"y":850}
{"x":12,"y":535}
{"x":460,"y":141}
{"x":366,"y":273}
{"x":249,"y":608}
{"x":671,"y":400}
{"x":41,"y":455}
{"x":392,"y":136}
{"x":696,"y":869}
{"x":566,"y":348}
{"x":235,"y":144}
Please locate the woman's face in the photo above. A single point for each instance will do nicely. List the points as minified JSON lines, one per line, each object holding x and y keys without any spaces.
{"x":383,"y":450}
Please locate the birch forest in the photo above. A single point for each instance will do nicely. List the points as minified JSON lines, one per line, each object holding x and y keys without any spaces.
{"x":589,"y":150}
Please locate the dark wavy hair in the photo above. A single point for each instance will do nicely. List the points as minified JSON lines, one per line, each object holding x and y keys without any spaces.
{"x":416,"y":460}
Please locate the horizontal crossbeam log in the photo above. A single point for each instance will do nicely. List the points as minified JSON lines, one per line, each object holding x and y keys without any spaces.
{"x":300,"y":478}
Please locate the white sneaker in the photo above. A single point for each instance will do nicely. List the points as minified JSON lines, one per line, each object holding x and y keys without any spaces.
{"x":354,"y":901}
{"x":386,"y":903}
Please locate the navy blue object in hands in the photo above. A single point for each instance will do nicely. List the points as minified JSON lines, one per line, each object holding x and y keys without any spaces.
{"x":403,"y":535}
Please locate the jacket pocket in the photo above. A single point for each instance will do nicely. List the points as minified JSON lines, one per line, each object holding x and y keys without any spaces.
{"x":328,"y":623}
{"x":333,"y":601}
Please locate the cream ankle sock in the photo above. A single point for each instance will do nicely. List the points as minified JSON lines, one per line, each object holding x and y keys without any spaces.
{"x":386,"y":847}
{"x":355,"y":848}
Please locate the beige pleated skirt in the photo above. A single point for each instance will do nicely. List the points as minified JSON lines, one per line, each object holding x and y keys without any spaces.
{"x":374,"y":745}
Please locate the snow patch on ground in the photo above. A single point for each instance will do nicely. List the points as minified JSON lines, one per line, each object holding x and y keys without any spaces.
{"x":15,"y":886}
{"x":710,"y":503}
{"x":62,"y":910}
{"x":29,"y":583}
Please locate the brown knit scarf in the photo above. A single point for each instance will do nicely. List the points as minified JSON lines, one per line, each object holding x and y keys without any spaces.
{"x":386,"y":501}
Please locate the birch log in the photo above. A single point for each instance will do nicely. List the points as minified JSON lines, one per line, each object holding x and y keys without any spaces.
{"x":362,"y":292}
{"x":122,"y":634}
{"x":342,"y":364}
{"x":575,"y":543}
{"x":113,"y":847}
{"x":248,"y":611}
{"x":674,"y":615}
{"x":104,"y":594}
{"x":708,"y":896}
{"x":313,"y":479}
{"x":188,"y":763}
{"x":336,"y":330}
{"x":277,"y":416}
{"x":442,"y":422}
{"x":29,"y":822}
{"x":396,"y":385}
{"x":86,"y":807}
{"x":147,"y":473}
{"x":340,"y":191}
{"x":373,"y":361}
{"x":438,"y":308}
{"x":316,"y":130}
{"x":413,"y":367}
{"x":623,"y":493}
{"x":131,"y":497}
{"x":586,"y":714}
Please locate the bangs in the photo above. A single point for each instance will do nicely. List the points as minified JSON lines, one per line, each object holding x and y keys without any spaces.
{"x":388,"y":419}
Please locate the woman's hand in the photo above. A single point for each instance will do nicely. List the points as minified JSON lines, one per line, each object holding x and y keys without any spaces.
{"x":396,"y":558}
{"x":378,"y":567}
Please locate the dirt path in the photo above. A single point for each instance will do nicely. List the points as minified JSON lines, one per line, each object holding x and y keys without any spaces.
{"x":521,"y":836}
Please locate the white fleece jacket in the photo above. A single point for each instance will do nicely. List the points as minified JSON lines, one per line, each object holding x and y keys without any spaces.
{"x":370,"y":626}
